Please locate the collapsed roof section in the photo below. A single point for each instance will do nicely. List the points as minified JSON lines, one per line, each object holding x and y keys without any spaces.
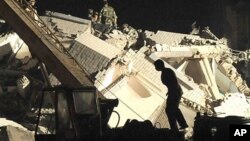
{"x":66,"y":27}
{"x":92,"y":53}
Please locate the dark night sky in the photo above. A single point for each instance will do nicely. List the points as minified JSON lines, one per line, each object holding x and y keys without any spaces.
{"x":168,"y":15}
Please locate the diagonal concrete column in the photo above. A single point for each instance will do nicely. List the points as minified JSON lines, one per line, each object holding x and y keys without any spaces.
{"x":213,"y":88}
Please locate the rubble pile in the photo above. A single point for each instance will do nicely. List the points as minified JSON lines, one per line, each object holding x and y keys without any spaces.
{"x":121,"y":63}
{"x":21,"y":82}
{"x":226,"y":66}
{"x":235,"y":104}
{"x":201,"y":98}
{"x":12,"y":131}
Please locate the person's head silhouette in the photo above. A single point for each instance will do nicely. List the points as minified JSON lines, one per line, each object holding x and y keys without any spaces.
{"x":159,"y":65}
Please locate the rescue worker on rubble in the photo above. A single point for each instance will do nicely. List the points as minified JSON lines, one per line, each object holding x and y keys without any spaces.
{"x":93,"y":16}
{"x":130,"y":31}
{"x":174,"y":94}
{"x":31,"y":4}
{"x":107,"y":15}
{"x":90,"y":13}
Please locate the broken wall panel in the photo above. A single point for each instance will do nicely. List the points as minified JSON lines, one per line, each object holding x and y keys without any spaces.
{"x":89,"y":59}
{"x":92,"y":53}
{"x":170,"y":38}
{"x":12,"y":131}
{"x":66,"y":24}
{"x":98,"y":45}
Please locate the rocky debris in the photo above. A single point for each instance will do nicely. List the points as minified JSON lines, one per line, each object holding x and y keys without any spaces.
{"x":226,"y":66}
{"x":54,"y":81}
{"x":118,"y":39}
{"x":187,"y":41}
{"x":196,"y":100}
{"x":12,"y":131}
{"x":21,"y":83}
{"x":124,"y":38}
{"x":66,"y":27}
{"x":5,"y":28}
{"x":235,"y":104}
{"x":17,"y":104}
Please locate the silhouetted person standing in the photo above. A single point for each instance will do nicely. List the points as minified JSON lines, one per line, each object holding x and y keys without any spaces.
{"x":173,"y":112}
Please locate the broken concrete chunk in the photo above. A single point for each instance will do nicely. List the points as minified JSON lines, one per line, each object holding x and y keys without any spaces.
{"x":54,"y":81}
{"x":23,"y":85}
{"x":234,"y":104}
{"x":12,"y":131}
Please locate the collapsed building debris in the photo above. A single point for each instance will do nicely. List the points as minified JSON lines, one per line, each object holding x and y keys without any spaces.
{"x":121,"y":68}
{"x":191,"y":54}
{"x":230,"y":104}
{"x":12,"y":131}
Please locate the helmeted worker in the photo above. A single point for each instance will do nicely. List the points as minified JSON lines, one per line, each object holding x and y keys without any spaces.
{"x":90,"y":13}
{"x":130,"y":31}
{"x":107,"y":15}
{"x":93,"y":16}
